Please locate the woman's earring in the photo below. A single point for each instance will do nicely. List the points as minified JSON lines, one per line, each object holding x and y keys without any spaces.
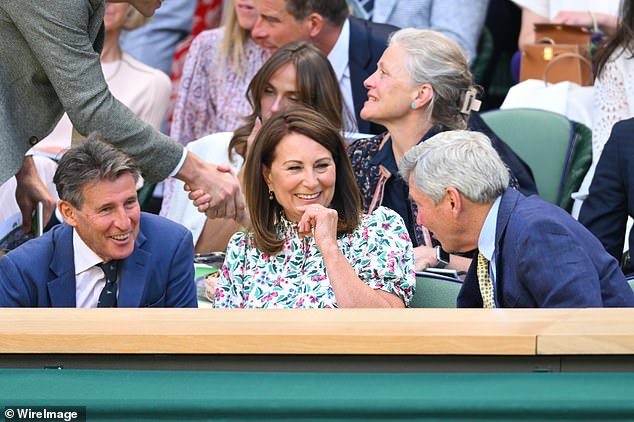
{"x":413,"y":105}
{"x":271,"y":195}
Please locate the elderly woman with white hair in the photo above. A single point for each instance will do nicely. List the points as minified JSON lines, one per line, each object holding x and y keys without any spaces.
{"x":422,"y":86}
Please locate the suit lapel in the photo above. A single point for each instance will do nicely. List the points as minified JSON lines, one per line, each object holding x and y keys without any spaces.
{"x":62,"y":288}
{"x":507,"y":205}
{"x":469,"y":295}
{"x":134,"y":275}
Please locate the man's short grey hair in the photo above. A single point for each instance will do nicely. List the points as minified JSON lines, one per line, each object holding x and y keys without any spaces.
{"x":462,"y":159}
{"x":90,"y":162}
{"x":435,"y":59}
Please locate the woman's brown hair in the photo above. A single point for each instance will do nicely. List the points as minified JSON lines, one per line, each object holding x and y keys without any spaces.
{"x":265,"y":212}
{"x":317,"y":87}
{"x":622,"y":38}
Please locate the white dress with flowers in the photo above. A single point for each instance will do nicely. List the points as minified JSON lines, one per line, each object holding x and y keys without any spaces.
{"x":379,"y":251}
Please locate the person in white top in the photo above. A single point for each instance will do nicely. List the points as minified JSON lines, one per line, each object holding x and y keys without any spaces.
{"x":613,"y":91}
{"x":276,"y":86}
{"x":598,"y":15}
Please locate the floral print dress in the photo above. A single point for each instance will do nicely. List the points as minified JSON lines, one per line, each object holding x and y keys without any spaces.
{"x":379,"y":251}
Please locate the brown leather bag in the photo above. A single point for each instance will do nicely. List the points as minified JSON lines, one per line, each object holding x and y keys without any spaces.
{"x":563,"y":54}
{"x":562,"y":34}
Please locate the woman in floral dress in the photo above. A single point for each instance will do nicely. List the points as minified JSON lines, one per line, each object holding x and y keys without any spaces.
{"x":309,"y":245}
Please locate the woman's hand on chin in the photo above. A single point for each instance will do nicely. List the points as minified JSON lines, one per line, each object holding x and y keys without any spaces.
{"x":321,"y":223}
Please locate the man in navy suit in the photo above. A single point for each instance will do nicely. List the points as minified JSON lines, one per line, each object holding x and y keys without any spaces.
{"x":353,"y":45}
{"x":151,"y":257}
{"x":531,"y":254}
{"x":611,"y":196}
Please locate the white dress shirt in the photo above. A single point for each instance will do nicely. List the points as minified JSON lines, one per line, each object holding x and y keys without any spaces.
{"x":486,"y":242}
{"x":339,"y":59}
{"x":89,"y":279}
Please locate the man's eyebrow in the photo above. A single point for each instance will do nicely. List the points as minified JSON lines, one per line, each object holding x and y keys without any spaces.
{"x":270,"y":18}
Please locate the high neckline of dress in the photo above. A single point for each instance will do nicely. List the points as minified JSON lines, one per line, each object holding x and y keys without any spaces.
{"x":285,"y":227}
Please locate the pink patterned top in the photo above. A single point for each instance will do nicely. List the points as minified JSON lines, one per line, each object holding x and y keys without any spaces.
{"x":211,"y":97}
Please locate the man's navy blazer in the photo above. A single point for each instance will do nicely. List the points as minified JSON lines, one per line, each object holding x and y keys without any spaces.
{"x":611,"y":196}
{"x":546,"y":259}
{"x":158,"y":273}
{"x":368,"y":40}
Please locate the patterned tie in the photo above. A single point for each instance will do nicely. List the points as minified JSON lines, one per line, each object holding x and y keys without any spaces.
{"x":486,"y":284}
{"x":108,"y":296}
{"x":368,"y":6}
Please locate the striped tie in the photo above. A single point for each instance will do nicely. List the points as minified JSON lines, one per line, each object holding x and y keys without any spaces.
{"x":485,"y":282}
{"x":368,"y":6}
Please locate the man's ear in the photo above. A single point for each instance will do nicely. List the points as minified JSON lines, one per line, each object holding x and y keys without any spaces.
{"x":315,"y":24}
{"x":68,"y":211}
{"x":455,"y":201}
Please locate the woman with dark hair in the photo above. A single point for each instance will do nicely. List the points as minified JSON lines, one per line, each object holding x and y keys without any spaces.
{"x":297,"y":73}
{"x":306,"y":68}
{"x":614,"y":86}
{"x":309,"y":245}
{"x":613,"y":89}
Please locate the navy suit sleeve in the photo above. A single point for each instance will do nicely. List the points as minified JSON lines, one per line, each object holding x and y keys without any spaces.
{"x":605,"y":212}
{"x":13,"y":291}
{"x":554,"y":268}
{"x":181,"y":289}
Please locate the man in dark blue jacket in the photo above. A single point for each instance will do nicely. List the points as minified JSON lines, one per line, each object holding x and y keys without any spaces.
{"x":611,"y":196}
{"x":352,"y":45}
{"x":531,"y":254}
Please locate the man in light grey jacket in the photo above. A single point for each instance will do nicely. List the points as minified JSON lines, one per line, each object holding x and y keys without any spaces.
{"x":460,"y":20}
{"x":50,"y":64}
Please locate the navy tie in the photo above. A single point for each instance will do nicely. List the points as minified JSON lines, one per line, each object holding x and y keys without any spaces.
{"x":368,"y":5}
{"x":108,"y":296}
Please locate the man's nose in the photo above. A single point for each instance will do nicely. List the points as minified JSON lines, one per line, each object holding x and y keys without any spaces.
{"x":258,"y":29}
{"x":122,"y":219}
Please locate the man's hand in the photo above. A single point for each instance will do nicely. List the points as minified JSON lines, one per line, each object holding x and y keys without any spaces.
{"x":424,"y":257}
{"x":222,"y":187}
{"x":31,"y":190}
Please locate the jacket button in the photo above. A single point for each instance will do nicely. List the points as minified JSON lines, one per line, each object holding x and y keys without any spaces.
{"x":33,"y":140}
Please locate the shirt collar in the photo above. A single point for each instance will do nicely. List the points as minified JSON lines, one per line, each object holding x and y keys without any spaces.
{"x":85,"y":258}
{"x":385,"y":157}
{"x":486,"y":242}
{"x":338,"y":56}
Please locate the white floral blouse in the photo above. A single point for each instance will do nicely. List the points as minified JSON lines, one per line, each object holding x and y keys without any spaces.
{"x":379,"y":250}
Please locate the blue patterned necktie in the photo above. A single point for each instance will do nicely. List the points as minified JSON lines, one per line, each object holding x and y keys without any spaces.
{"x":368,"y":6}
{"x":108,"y":296}
{"x":485,"y":282}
